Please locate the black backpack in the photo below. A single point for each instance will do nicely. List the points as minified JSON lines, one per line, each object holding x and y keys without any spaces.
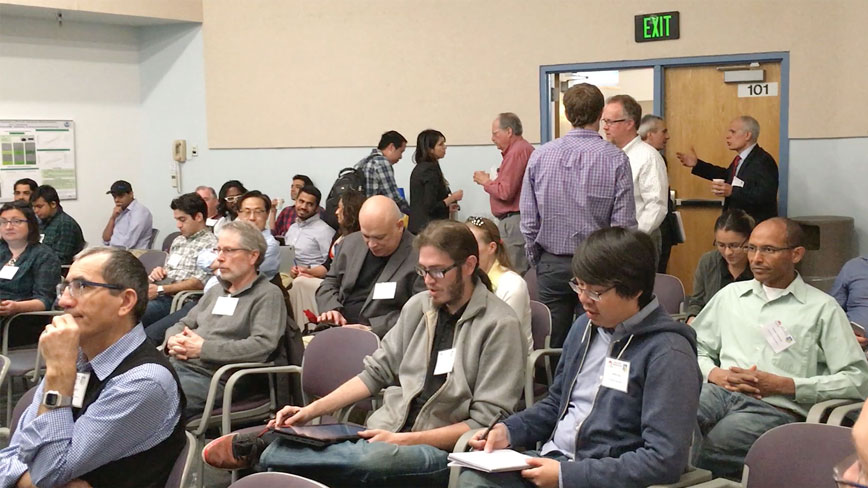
{"x":347,"y":178}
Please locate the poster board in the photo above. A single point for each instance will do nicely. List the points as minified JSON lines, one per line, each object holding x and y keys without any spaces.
{"x":43,"y":150}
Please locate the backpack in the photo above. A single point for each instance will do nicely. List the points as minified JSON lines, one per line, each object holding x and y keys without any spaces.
{"x":347,"y":178}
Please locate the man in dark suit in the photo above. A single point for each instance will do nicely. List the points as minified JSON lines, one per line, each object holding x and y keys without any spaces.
{"x":751,"y":180}
{"x":373,"y":273}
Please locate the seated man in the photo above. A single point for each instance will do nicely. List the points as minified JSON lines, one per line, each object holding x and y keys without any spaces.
{"x":474,"y":340}
{"x":240,"y":321}
{"x":130,"y":224}
{"x":109,"y":404}
{"x":851,"y":292}
{"x":620,"y":410}
{"x":374,"y":273}
{"x":280,"y":225}
{"x":310,"y":235}
{"x":770,"y":348}
{"x":180,"y":272}
{"x":23,"y":189}
{"x":59,"y":231}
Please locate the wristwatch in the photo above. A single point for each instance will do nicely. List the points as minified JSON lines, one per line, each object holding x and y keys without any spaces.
{"x":159,"y":289}
{"x":52,"y":399}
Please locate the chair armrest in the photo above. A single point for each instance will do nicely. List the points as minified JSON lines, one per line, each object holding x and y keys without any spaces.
{"x":212,"y":391}
{"x":461,"y":445}
{"x":532,"y":359}
{"x":719,"y":483}
{"x":819,"y":411}
{"x":226,"y":420}
{"x":837,"y":416}
{"x":7,"y":324}
{"x":179,"y":298}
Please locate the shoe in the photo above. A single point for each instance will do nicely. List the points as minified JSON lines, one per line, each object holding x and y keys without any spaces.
{"x":220,"y":454}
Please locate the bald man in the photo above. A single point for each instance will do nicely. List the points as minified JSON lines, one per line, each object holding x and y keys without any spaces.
{"x":374,"y":272}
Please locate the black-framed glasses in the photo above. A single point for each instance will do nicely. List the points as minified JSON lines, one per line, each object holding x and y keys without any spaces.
{"x":78,"y":286}
{"x":436,"y":273}
{"x":227,"y":250}
{"x":593,"y":295}
{"x":611,"y":122}
{"x":766,"y":250}
{"x":849,"y":473}
{"x":15,"y":222}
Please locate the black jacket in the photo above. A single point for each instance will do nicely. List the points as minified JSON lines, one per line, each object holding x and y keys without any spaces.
{"x":427,"y":191}
{"x":759,"y":195}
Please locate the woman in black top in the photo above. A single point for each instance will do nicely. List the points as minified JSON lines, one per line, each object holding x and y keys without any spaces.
{"x":430,"y":198}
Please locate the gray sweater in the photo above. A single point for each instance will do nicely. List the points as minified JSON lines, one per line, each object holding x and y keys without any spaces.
{"x":251,"y":333}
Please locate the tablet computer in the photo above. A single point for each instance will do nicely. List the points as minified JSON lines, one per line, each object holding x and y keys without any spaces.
{"x":321,"y":435}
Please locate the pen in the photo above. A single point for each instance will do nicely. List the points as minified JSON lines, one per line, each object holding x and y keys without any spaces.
{"x":494,"y":422}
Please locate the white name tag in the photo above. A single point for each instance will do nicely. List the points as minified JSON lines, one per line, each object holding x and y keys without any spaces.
{"x":736,"y":181}
{"x":81,"y":380}
{"x":174,"y":260}
{"x":210,"y":222}
{"x":616,"y":374}
{"x":225,"y":306}
{"x":8,"y":272}
{"x":385,"y":291}
{"x":777,"y":336}
{"x":445,"y":361}
{"x":41,"y":238}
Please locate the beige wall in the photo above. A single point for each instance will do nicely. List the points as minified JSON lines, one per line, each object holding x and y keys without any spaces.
{"x":297,"y":73}
{"x":183,"y":10}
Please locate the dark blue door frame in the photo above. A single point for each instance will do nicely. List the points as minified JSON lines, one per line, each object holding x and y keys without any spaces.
{"x":659,"y":65}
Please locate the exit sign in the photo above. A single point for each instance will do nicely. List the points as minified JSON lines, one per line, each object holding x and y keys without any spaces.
{"x":657,"y":27}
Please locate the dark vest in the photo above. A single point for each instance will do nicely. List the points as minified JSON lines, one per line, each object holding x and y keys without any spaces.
{"x":150,"y":468}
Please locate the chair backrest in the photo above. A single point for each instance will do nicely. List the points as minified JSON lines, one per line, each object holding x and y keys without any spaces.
{"x":152,"y":258}
{"x":178,"y":476}
{"x":22,"y":404}
{"x":276,"y":480}
{"x":670,"y":292}
{"x":287,"y":258}
{"x":167,"y":242}
{"x":797,"y":455}
{"x":333,"y":357}
{"x":540,"y":324}
{"x":532,"y":286}
{"x":4,"y":368}
{"x":153,"y":238}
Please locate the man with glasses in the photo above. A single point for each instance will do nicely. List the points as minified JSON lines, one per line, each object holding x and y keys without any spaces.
{"x":242,"y":320}
{"x":770,"y":348}
{"x":572,"y":186}
{"x":181,"y":271}
{"x":130,"y":224}
{"x":374,"y":274}
{"x":108,"y":410}
{"x":452,"y":363}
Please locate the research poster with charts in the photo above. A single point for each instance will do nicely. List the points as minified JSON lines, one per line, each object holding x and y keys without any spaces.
{"x":43,"y":150}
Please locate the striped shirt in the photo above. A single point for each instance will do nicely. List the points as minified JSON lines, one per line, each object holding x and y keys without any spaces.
{"x":181,"y":263}
{"x":573,"y":186}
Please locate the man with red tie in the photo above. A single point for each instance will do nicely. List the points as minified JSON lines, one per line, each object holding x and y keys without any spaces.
{"x":751,"y":180}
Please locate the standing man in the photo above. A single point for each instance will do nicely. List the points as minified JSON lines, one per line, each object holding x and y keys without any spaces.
{"x":59,"y":231}
{"x":379,"y":174}
{"x":751,"y":180}
{"x":505,"y":190}
{"x":621,"y":118}
{"x":287,"y":215}
{"x":572,"y":186}
{"x":23,"y":189}
{"x":653,"y":130}
{"x":127,"y":430}
{"x":131,"y":223}
{"x":310,"y":235}
{"x":210,"y":196}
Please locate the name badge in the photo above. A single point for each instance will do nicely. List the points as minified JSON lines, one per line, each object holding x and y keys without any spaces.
{"x":445,"y":361}
{"x":777,"y":336}
{"x":225,"y":306}
{"x":616,"y":374}
{"x":736,"y":181}
{"x":81,"y":380}
{"x":210,"y":222}
{"x":174,"y":260}
{"x":8,"y":272}
{"x":385,"y":290}
{"x":41,"y":238}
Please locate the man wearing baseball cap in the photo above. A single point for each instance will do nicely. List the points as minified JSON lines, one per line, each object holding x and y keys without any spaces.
{"x":130,"y":223}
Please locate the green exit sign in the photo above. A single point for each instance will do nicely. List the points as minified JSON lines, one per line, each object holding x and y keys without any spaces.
{"x":657,"y":27}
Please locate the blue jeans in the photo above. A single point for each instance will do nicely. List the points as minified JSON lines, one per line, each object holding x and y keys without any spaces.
{"x":360,"y":463}
{"x":156,"y":331}
{"x":157,"y":308}
{"x":472,"y":478}
{"x":553,"y":276}
{"x":730,"y":423}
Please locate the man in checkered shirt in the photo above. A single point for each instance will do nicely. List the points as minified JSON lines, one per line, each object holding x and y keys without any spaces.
{"x":377,"y":166}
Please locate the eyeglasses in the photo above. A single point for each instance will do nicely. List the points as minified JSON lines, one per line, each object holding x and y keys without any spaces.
{"x":232,"y":199}
{"x":611,"y":122}
{"x":228,"y":250}
{"x":730,"y":245}
{"x":14,"y":222}
{"x":850,"y":468}
{"x":252,"y":211}
{"x":593,"y":295}
{"x":476,"y":221}
{"x":78,"y":286}
{"x":436,"y":273}
{"x":766,"y":250}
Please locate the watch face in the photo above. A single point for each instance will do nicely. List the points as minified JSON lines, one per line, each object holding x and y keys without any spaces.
{"x":51,"y":399}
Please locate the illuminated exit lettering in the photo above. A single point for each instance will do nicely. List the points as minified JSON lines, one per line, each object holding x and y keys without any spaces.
{"x":659,"y":26}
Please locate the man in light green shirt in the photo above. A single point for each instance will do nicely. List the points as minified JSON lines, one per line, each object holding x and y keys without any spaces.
{"x":770,"y":348}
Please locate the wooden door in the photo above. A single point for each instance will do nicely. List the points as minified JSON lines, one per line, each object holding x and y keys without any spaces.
{"x":698,"y":109}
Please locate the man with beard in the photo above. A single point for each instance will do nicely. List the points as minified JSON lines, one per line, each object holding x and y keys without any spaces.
{"x":443,"y":365}
{"x":310,"y":235}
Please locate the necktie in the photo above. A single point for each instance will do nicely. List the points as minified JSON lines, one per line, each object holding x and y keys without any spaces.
{"x":733,"y":166}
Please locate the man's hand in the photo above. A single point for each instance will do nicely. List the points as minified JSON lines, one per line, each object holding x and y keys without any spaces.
{"x":457,"y":195}
{"x":688,"y":159}
{"x":743,"y":381}
{"x":175,"y":347}
{"x":291,"y":415}
{"x":152,"y":291}
{"x":8,"y":308}
{"x":379,"y":435}
{"x":721,"y":189}
{"x":157,"y":274}
{"x":770,"y":384}
{"x":863,"y":341}
{"x":481,"y":177}
{"x":192,"y":343}
{"x":498,"y":438}
{"x":116,"y":211}
{"x":543,"y":472}
{"x":332,"y":317}
{"x":297,"y":270}
{"x":58,"y":344}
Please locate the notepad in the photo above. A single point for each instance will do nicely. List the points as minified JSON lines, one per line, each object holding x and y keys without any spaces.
{"x":497,"y":461}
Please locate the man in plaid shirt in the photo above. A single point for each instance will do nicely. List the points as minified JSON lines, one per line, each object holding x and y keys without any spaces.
{"x":59,"y":231}
{"x":287,"y":216}
{"x":377,"y":166}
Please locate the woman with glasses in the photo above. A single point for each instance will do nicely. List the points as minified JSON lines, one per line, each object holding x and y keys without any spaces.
{"x":430,"y":197}
{"x":227,"y":204}
{"x":508,"y":285}
{"x":30,"y":272}
{"x":724,"y":265}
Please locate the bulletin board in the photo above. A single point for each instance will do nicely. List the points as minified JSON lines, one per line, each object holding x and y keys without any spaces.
{"x":43,"y":150}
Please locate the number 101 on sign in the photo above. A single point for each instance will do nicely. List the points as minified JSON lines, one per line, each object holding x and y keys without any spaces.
{"x":757,"y":90}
